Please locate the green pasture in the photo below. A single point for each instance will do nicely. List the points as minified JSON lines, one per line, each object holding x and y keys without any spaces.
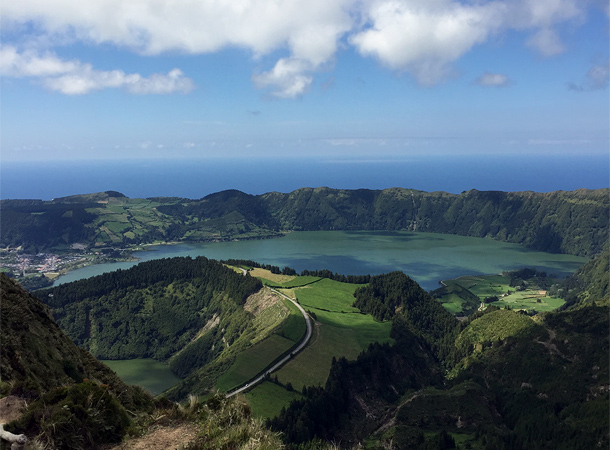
{"x":528,"y":301}
{"x":463,"y":291}
{"x":294,"y":326}
{"x":152,"y":375}
{"x":253,"y":361}
{"x":267,"y":399}
{"x":328,"y":295}
{"x":117,"y":227}
{"x":342,"y":331}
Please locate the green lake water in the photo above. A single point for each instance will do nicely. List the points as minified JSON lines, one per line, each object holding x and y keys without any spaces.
{"x":427,"y":257}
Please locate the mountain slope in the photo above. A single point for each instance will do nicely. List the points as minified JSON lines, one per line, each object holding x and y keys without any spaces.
{"x":514,"y":381}
{"x":73,"y":399}
{"x":568,"y":222}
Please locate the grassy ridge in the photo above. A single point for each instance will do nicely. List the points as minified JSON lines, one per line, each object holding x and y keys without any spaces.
{"x":255,"y":359}
{"x":341,"y":331}
{"x":493,"y":327}
{"x":561,"y":222}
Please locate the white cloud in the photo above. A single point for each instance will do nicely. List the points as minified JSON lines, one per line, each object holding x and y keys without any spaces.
{"x":31,"y":64}
{"x":424,"y":37}
{"x":287,"y":77}
{"x":420,"y":37}
{"x":308,"y":29}
{"x":76,"y":78}
{"x":547,"y":42}
{"x":493,"y":79}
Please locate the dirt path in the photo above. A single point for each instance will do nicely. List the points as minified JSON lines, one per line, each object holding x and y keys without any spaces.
{"x":166,"y":438}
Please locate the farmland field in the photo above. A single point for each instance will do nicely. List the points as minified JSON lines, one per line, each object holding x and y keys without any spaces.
{"x":340,"y":330}
{"x":469,"y":291}
{"x":254,"y":360}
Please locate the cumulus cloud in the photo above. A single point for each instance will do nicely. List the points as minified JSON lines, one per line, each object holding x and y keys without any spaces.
{"x":76,"y":78}
{"x":597,"y":78}
{"x":288,"y":78}
{"x":493,"y":79}
{"x":424,"y":37}
{"x":420,"y":37}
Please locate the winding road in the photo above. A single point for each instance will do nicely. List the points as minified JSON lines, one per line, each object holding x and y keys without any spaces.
{"x":284,"y":360}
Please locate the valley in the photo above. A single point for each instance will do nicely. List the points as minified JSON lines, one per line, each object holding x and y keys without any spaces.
{"x":338,"y":335}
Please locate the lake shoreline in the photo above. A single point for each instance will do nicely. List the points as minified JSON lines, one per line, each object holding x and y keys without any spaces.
{"x":428,"y":257}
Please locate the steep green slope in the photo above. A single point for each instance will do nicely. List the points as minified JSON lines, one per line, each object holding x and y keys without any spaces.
{"x":36,"y":355}
{"x":570,"y":222}
{"x":515,"y":382}
{"x":73,"y":398}
{"x":151,"y":310}
{"x":590,"y":283}
{"x":191,"y":313}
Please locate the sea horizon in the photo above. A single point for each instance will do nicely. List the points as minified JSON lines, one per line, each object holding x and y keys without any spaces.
{"x":196,"y":178}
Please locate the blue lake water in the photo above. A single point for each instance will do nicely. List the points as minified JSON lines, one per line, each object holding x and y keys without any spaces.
{"x":426,"y":257}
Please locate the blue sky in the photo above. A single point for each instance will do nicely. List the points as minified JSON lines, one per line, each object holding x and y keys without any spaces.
{"x":347,"y":79}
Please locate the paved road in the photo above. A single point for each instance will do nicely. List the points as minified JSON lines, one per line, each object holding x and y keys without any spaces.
{"x":284,"y":360}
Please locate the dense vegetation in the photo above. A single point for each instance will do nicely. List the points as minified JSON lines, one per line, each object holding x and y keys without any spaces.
{"x":76,"y":403}
{"x":188,"y":312}
{"x":590,"y":284}
{"x":151,"y":310}
{"x":73,"y":397}
{"x":500,"y":379}
{"x":570,"y":222}
{"x":513,"y":382}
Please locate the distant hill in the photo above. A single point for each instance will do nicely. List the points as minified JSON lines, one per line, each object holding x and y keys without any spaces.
{"x":574,"y":222}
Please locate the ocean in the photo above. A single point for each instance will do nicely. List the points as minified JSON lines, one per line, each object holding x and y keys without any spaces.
{"x":197,"y":178}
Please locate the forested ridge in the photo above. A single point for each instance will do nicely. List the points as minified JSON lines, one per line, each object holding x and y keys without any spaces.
{"x":573,"y":222}
{"x":61,"y":398}
{"x":157,"y":309}
{"x":510,"y":381}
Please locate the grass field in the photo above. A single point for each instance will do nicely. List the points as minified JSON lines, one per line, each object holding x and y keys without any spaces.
{"x":254,"y":360}
{"x":152,"y":375}
{"x":278,"y":328}
{"x":463,"y":292}
{"x":341,"y":330}
{"x":268,"y":399}
{"x":270,"y":277}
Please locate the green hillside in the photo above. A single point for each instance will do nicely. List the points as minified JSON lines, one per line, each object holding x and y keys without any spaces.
{"x":409,"y":375}
{"x":513,"y":381}
{"x":562,"y":222}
